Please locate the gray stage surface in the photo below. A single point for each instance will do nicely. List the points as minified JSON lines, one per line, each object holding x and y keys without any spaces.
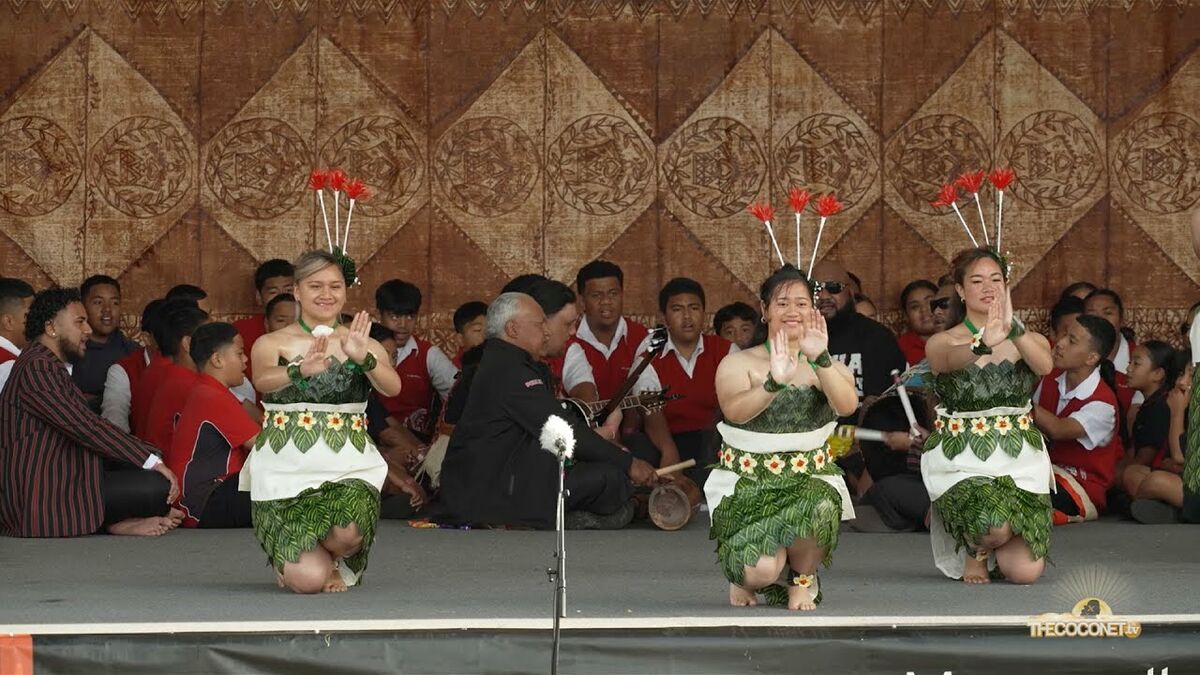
{"x":497,"y":578}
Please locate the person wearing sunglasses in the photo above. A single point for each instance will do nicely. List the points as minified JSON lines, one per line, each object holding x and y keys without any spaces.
{"x":867,"y":347}
{"x":943,"y":305}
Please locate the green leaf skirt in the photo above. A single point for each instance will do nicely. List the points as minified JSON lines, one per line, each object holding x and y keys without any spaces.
{"x":973,"y":506}
{"x":288,"y":527}
{"x":766,"y":514}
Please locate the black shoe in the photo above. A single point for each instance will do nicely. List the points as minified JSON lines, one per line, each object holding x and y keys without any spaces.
{"x":586,"y":520}
{"x":1154,"y":512}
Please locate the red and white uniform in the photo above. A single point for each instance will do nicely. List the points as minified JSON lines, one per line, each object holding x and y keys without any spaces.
{"x":424,"y":370}
{"x":606,"y":366}
{"x":1087,"y":463}
{"x":693,"y":379}
{"x":8,"y":356}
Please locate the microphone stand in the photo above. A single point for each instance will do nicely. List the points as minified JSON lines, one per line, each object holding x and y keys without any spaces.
{"x":558,"y":574}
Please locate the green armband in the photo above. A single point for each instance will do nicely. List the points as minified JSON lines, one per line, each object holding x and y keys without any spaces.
{"x":772,"y":386}
{"x":293,"y":371}
{"x":366,"y":366}
{"x":824,"y":360}
{"x":1018,"y":329}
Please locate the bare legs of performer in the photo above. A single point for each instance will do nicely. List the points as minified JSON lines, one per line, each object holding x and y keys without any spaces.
{"x":804,"y":555}
{"x":317,"y":570}
{"x":1013,"y":557}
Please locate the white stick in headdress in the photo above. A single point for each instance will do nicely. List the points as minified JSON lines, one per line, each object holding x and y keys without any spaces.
{"x":827,"y":206}
{"x":949,"y":197}
{"x":799,"y":200}
{"x":766,"y":213}
{"x":1000,"y":179}
{"x":972,"y":181}
{"x":337,"y":183}
{"x":316,"y":182}
{"x":355,"y":190}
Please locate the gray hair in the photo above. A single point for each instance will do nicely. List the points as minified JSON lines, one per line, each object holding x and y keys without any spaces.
{"x":502,"y":310}
{"x":312,"y":262}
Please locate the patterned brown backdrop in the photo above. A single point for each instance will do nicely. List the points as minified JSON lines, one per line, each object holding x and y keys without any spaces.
{"x":164,"y":141}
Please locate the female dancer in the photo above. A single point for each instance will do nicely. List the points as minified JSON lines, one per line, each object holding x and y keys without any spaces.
{"x":314,"y":475}
{"x":985,"y":465}
{"x":777,"y":497}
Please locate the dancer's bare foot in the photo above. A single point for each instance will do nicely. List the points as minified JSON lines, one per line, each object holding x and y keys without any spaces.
{"x":154,"y":526}
{"x":279,"y":579}
{"x":334,"y":583}
{"x":799,"y":598}
{"x":175,"y":516}
{"x":976,"y":571}
{"x":741,"y":597}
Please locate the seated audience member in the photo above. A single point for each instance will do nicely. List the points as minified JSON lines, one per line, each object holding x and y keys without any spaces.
{"x":15,"y":298}
{"x":402,"y":495}
{"x":866,"y":307}
{"x":1106,"y":304}
{"x":687,"y":366}
{"x":123,"y":376}
{"x":52,"y":447}
{"x":214,"y":434}
{"x":1076,"y":409}
{"x":178,"y":377}
{"x":1062,"y":315}
{"x":1153,"y":371}
{"x":602,"y":352}
{"x":496,"y":472}
{"x":893,"y":493}
{"x":107,"y":344}
{"x":946,"y":306}
{"x":470,"y":323}
{"x":1079,"y":289}
{"x":736,"y":322}
{"x":281,"y":312}
{"x":867,"y":347}
{"x":272,"y":278}
{"x":426,"y":374}
{"x":193,"y":293}
{"x":1159,"y":495}
{"x":918,"y":317}
{"x":144,"y":390}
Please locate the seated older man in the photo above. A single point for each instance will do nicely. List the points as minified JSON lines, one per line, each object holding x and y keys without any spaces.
{"x":495,"y":471}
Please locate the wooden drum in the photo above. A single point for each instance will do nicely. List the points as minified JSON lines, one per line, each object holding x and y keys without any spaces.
{"x":673,"y":504}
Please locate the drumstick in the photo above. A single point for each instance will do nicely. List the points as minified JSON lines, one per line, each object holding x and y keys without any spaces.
{"x":908,"y":410}
{"x":675,"y":467}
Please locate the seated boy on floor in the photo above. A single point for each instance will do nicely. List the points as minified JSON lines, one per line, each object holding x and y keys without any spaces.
{"x":214,"y":433}
{"x":1075,"y":406}
{"x":470,"y":323}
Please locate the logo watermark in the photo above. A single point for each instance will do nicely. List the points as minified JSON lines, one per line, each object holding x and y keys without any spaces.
{"x":1091,"y":616}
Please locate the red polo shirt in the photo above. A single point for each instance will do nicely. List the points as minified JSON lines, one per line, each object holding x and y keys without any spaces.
{"x":169,"y":397}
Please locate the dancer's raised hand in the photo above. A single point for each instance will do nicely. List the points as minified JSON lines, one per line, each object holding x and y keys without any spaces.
{"x":815,"y":339}
{"x":315,"y":360}
{"x":356,"y":341}
{"x":999,"y":321}
{"x":783,"y":359}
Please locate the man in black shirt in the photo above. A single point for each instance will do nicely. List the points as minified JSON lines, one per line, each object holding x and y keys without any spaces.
{"x":496,"y":471}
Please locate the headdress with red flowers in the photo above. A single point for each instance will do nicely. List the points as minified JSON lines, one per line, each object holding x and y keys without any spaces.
{"x":973,"y":182}
{"x":337,"y":182}
{"x":825,"y":206}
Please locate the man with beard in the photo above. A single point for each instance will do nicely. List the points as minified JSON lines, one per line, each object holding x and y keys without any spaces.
{"x":107,"y":344}
{"x":945,"y":305}
{"x":52,"y":447}
{"x":685,"y":427}
{"x":496,"y":472}
{"x":868,"y":348}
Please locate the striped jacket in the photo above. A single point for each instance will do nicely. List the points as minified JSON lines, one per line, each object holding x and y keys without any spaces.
{"x":52,"y":449}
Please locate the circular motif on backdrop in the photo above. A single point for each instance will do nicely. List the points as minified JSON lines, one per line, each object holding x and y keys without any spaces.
{"x":39,"y":168}
{"x":715,"y":167}
{"x":599,"y":165}
{"x":258,"y":168}
{"x":380,"y":152}
{"x":1056,"y":159}
{"x":929,"y":152}
{"x":486,"y":166}
{"x":826,"y":153}
{"x":141,"y":166}
{"x":1157,"y":162}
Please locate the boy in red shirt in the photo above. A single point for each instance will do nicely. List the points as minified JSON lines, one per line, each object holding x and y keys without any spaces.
{"x":214,"y":433}
{"x":176,"y":378}
{"x":1075,"y":406}
{"x":272,"y":278}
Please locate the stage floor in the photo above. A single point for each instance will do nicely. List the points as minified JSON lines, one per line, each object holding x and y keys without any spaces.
{"x":217,"y":581}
